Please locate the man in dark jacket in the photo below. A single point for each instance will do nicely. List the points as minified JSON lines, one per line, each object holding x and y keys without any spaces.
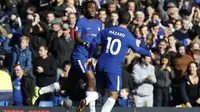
{"x":23,"y":86}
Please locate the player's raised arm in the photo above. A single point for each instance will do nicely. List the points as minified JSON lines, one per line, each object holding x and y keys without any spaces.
{"x":137,"y":49}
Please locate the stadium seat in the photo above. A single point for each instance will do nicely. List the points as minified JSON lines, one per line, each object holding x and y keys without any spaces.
{"x":46,"y":104}
{"x":3,"y":103}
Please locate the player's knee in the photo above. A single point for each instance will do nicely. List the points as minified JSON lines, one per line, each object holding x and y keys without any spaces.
{"x":113,"y":95}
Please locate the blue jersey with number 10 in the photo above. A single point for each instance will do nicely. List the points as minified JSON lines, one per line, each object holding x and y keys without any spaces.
{"x":115,"y":43}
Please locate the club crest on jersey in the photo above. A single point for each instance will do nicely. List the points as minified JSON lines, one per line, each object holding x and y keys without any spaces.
{"x":99,"y":29}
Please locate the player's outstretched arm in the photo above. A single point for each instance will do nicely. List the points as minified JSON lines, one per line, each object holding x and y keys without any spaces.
{"x":137,"y":49}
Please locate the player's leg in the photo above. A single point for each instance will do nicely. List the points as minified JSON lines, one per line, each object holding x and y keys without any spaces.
{"x":114,"y":86}
{"x":91,"y":97}
{"x":66,"y":84}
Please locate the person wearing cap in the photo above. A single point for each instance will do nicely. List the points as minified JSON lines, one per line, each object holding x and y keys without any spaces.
{"x":61,"y":54}
{"x":156,"y":30}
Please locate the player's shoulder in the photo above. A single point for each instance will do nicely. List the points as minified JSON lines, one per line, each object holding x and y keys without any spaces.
{"x":82,"y":19}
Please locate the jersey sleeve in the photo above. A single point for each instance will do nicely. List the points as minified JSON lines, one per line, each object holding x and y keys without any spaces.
{"x":96,"y":41}
{"x":79,"y":26}
{"x":140,"y":50}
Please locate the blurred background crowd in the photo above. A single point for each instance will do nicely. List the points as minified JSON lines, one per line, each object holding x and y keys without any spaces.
{"x":37,"y":39}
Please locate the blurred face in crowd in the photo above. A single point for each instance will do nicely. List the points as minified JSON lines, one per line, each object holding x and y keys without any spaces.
{"x":23,"y":44}
{"x":193,"y":68}
{"x":178,"y":25}
{"x":156,"y":28}
{"x":162,"y":46}
{"x":72,"y":18}
{"x":65,"y":17}
{"x":30,"y":17}
{"x":156,"y":18}
{"x":50,"y":17}
{"x":139,"y":18}
{"x":137,"y":32}
{"x":123,"y":93}
{"x":114,"y":17}
{"x":195,"y":46}
{"x":181,"y":50}
{"x":102,"y":16}
{"x":146,"y":60}
{"x":43,"y":52}
{"x":150,"y":11}
{"x":56,"y":27}
{"x":185,"y":24}
{"x":131,"y":7}
{"x":144,"y":31}
{"x":164,"y":61}
{"x":112,"y":8}
{"x":70,"y":3}
{"x":66,"y":69}
{"x":91,"y":10}
{"x":172,"y":41}
{"x":19,"y":72}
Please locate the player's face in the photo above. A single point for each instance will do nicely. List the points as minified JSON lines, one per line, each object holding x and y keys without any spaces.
{"x":91,"y":10}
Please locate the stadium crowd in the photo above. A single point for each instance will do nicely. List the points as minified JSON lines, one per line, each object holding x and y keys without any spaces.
{"x":37,"y":39}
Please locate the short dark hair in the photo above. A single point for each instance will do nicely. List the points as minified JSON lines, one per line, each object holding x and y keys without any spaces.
{"x":67,"y":62}
{"x":124,"y":17}
{"x":178,"y":45}
{"x":85,"y":5}
{"x":45,"y":47}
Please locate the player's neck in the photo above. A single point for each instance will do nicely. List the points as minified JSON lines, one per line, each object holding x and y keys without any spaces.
{"x":123,"y":26}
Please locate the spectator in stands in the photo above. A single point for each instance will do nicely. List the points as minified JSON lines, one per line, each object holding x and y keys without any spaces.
{"x":144,"y":77}
{"x":183,"y":35}
{"x":113,"y":19}
{"x":71,"y":22}
{"x":131,"y":9}
{"x":50,"y":18}
{"x":164,"y":75}
{"x":149,"y":14}
{"x":45,"y":71}
{"x":23,"y":86}
{"x":160,"y":51}
{"x":196,"y":57}
{"x":102,"y":16}
{"x":190,"y":86}
{"x":137,"y":21}
{"x":20,"y":53}
{"x":171,"y":44}
{"x":123,"y":100}
{"x":180,"y":64}
{"x":62,"y":46}
{"x":38,"y":32}
{"x":58,"y":6}
{"x":6,"y":87}
{"x":60,"y":96}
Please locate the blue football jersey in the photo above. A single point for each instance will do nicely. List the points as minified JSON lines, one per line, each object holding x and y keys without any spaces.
{"x":89,"y":30}
{"x":115,"y":42}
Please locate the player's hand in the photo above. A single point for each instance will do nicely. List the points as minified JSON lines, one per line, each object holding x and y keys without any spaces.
{"x":86,"y":45}
{"x":90,"y":63}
